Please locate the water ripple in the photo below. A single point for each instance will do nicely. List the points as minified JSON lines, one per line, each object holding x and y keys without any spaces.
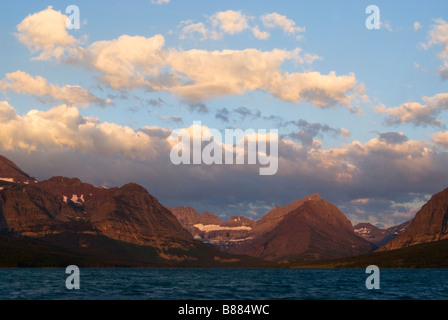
{"x":222,"y":284}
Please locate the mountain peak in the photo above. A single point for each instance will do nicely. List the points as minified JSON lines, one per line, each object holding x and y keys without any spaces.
{"x":429,"y":224}
{"x":10,"y":172}
{"x":314,"y":196}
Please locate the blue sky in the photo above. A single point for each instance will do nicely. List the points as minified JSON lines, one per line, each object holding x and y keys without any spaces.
{"x":313,"y":71}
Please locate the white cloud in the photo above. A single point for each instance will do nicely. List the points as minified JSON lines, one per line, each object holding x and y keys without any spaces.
{"x":438,"y":35}
{"x":127,"y":62}
{"x":441,"y":138}
{"x":275,"y":20}
{"x":417,"y":113}
{"x":234,"y":22}
{"x":63,"y":128}
{"x":194,"y":28}
{"x":230,"y":21}
{"x":46,"y":31}
{"x":132,"y":62}
{"x":22,"y":82}
{"x":262,"y":35}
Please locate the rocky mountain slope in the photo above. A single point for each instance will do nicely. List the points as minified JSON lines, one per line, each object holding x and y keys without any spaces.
{"x":429,"y":224}
{"x":68,"y":212}
{"x":306,"y":229}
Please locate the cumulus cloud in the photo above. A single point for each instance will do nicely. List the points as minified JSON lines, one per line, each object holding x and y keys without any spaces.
{"x":221,"y":73}
{"x":441,"y":138}
{"x":133,"y":62}
{"x":276,"y":20}
{"x":22,"y":82}
{"x":222,"y":22}
{"x":230,"y":21}
{"x":234,"y":22}
{"x":438,"y":35}
{"x":127,"y":62}
{"x":46,"y":32}
{"x":63,"y":128}
{"x":417,"y":113}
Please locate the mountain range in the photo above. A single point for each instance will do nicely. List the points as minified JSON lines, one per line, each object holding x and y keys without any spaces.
{"x":377,"y":236}
{"x":306,"y":229}
{"x":63,"y":221}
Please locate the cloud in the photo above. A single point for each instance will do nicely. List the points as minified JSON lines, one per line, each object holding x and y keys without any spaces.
{"x":234,"y":22}
{"x":417,"y":113}
{"x":191,"y":29}
{"x":175,"y":120}
{"x":417,"y":25}
{"x":438,"y":35}
{"x":443,"y":71}
{"x":160,"y":1}
{"x":262,"y":35}
{"x":133,"y":62}
{"x":360,"y":201}
{"x":46,"y":31}
{"x":386,"y":24}
{"x":198,"y":107}
{"x":230,"y":21}
{"x":63,"y":128}
{"x":156,"y":102}
{"x":275,"y":20}
{"x":392,"y":137}
{"x":22,"y":82}
{"x":245,"y":113}
{"x":441,"y":138}
{"x":127,"y":62}
{"x":307,"y":132}
{"x":222,"y":114}
{"x":387,"y":166}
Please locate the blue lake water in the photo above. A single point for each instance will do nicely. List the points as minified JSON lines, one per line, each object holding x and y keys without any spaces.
{"x":222,"y":284}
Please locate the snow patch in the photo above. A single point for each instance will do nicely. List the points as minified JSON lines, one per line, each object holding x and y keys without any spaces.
{"x":7,"y":179}
{"x":77,"y":199}
{"x":215,"y":227}
{"x":362,"y":231}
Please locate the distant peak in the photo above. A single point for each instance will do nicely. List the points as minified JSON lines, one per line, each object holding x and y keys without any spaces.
{"x":9,"y":171}
{"x":314,"y":196}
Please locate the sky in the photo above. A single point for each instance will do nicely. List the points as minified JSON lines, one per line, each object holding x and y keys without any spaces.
{"x":361,"y":113}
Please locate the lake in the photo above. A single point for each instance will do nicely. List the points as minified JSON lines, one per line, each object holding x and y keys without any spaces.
{"x":223,"y":284}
